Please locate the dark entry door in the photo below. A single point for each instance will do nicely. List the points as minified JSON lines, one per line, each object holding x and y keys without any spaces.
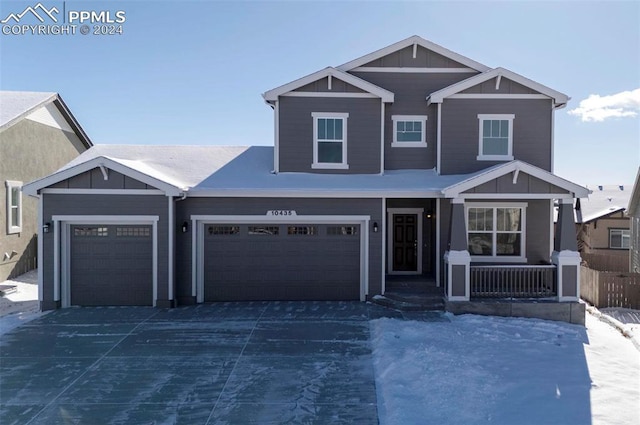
{"x":405,"y":242}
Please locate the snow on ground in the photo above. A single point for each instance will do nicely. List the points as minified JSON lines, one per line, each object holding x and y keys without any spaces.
{"x":20,"y":306}
{"x":496,"y":370}
{"x":627,"y":320}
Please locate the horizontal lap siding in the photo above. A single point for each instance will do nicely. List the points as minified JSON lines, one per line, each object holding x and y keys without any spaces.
{"x":411,"y":92}
{"x":259,"y":206}
{"x":296,"y":133}
{"x":106,"y":205}
{"x":460,"y":132}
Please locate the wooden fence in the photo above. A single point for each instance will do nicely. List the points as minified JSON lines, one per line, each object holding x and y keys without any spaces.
{"x":606,"y":263}
{"x":610,"y":289}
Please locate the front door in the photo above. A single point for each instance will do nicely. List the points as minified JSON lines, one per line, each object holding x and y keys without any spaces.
{"x":405,"y":242}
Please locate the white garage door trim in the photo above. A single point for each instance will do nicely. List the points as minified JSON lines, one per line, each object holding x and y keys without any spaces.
{"x":62,"y":248}
{"x":197,"y":241}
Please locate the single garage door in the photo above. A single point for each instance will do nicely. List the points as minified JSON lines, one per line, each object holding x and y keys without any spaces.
{"x":111,"y":265}
{"x":281,"y":262}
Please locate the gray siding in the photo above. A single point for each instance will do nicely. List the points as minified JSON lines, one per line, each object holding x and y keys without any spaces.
{"x":411,"y":91}
{"x":507,"y":86}
{"x":460,"y":132}
{"x":106,"y":205}
{"x":259,"y":206}
{"x":424,"y":59}
{"x":337,"y":86}
{"x":296,"y":133}
{"x":525,"y":184}
{"x":93,"y":179}
{"x":29,"y":151}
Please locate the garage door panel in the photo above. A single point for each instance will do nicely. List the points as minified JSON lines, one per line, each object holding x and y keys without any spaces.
{"x":112,"y":265}
{"x":300,"y":262}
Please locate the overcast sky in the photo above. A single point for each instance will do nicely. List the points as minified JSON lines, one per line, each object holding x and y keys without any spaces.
{"x":192,"y":72}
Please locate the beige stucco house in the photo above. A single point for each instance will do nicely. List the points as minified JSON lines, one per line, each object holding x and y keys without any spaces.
{"x":38,"y":134}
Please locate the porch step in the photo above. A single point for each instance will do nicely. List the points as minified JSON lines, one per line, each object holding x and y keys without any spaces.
{"x":410,"y":302}
{"x":7,"y":289}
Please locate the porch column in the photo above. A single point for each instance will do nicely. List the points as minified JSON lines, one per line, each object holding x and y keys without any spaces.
{"x":457,"y":259}
{"x":565,"y":255}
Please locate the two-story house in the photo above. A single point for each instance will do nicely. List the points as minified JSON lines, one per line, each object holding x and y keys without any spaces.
{"x":410,"y":160}
{"x":38,"y":135}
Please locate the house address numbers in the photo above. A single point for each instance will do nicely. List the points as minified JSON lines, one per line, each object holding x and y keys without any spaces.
{"x":282,"y":213}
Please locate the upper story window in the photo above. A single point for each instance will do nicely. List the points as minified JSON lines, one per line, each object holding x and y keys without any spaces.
{"x":409,"y":131}
{"x":330,"y":140}
{"x":619,"y":238}
{"x":496,"y":137}
{"x":14,"y":206}
{"x":496,"y":232}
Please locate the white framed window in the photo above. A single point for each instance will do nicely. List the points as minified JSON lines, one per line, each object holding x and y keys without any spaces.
{"x":330,"y":140}
{"x":14,"y":206}
{"x":409,"y":131}
{"x":496,"y":232}
{"x":496,"y":137}
{"x":619,"y":238}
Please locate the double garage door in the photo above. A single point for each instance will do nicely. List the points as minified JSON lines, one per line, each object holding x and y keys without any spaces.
{"x":111,"y":265}
{"x":281,"y":262}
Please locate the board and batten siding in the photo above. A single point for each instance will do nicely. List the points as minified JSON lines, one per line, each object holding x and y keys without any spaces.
{"x":296,"y":133}
{"x":259,"y":206}
{"x":460,"y":132}
{"x":93,"y":179}
{"x":103,"y":205}
{"x":424,"y":58}
{"x":411,"y":91}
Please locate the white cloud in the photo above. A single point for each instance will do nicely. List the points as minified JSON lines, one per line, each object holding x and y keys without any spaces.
{"x":599,"y":108}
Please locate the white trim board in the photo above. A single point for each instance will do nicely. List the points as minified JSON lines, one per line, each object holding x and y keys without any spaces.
{"x":137,"y":192}
{"x":414,"y":70}
{"x":330,"y":94}
{"x":62,"y":254}
{"x":197,"y":241}
{"x":419,"y":212}
{"x":411,"y":41}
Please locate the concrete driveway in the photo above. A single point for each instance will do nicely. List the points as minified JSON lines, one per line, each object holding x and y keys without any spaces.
{"x":228,"y":363}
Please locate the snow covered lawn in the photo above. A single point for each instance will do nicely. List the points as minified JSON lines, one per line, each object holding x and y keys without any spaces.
{"x":20,"y":306}
{"x":496,"y":370}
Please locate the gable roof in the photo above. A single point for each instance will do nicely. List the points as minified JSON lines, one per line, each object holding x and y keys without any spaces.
{"x":16,"y":105}
{"x":560,"y":99}
{"x":172,"y":169}
{"x":603,"y":201}
{"x":410,"y":42}
{"x":385,"y":95}
{"x":500,"y":170}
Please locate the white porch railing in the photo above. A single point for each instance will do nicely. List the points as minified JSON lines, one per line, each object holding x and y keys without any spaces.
{"x":513,"y":281}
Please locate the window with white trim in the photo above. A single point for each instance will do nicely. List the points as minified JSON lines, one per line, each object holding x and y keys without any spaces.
{"x":496,"y":232}
{"x":619,"y":238}
{"x":330,"y":140}
{"x":14,"y":206}
{"x":409,"y":131}
{"x":496,"y":137}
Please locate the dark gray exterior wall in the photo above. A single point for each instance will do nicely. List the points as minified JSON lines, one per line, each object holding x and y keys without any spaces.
{"x":460,"y":132}
{"x":525,"y":184}
{"x":337,"y":86}
{"x":93,"y":179}
{"x":296,"y":133}
{"x":424,"y":59}
{"x":259,"y":206}
{"x":106,"y":205}
{"x":411,"y":91}
{"x":507,"y":86}
{"x":29,"y":151}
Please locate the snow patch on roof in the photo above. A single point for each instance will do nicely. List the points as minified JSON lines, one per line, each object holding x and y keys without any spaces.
{"x":605,"y":200}
{"x":14,"y":104}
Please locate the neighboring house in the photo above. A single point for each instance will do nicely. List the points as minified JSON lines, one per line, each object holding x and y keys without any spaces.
{"x":38,"y":135}
{"x":411,"y":160}
{"x":603,"y":223}
{"x":634,"y":218}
